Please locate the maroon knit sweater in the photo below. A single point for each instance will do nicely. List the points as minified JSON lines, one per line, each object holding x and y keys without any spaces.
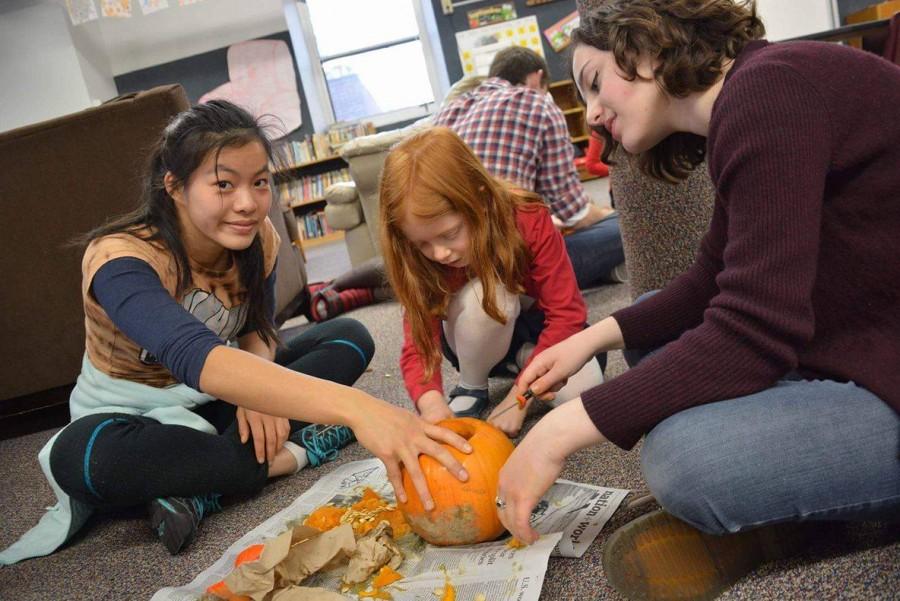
{"x":800,"y":269}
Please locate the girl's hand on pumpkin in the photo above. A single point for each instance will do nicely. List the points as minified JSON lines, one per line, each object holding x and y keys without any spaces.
{"x":433,"y":407}
{"x":397,"y":437}
{"x":510,"y":422}
{"x":537,"y":461}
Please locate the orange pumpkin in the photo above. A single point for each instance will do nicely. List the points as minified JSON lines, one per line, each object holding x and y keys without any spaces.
{"x":464,"y":512}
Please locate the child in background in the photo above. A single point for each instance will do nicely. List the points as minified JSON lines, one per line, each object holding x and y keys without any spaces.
{"x":461,"y":248}
{"x":592,"y":161}
{"x":179,"y":401}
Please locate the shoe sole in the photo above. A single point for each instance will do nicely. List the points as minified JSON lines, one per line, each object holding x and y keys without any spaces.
{"x":657,"y":557}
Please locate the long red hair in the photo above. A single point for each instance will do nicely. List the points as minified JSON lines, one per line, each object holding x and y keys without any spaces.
{"x":431,"y":174}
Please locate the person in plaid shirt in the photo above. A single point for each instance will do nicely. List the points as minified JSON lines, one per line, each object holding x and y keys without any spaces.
{"x":520,"y":135}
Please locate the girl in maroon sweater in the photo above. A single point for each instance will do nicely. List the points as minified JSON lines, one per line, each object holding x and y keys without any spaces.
{"x":773,"y":393}
{"x":461,"y":248}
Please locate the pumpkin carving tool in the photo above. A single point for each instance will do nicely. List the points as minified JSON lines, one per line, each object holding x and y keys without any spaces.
{"x":522,"y":400}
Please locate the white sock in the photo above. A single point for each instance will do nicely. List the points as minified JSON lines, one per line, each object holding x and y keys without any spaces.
{"x":299,"y":454}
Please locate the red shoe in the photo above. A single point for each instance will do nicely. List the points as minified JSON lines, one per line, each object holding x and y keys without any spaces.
{"x":327,"y":302}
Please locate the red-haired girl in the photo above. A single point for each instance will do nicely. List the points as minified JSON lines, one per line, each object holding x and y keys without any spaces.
{"x":481,"y":272}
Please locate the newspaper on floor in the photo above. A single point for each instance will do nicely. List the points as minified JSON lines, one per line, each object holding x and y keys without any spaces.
{"x":568,"y":517}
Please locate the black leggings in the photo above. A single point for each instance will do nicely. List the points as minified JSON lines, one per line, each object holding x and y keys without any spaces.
{"x":113,"y":460}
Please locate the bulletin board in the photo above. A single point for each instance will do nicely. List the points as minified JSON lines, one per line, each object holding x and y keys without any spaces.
{"x":201,"y":73}
{"x":477,"y":47}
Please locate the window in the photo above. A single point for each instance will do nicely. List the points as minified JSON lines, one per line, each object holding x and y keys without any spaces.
{"x":373,"y":61}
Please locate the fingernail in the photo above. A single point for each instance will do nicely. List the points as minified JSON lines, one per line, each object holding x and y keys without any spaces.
{"x":468,"y":448}
{"x":429,"y":505}
{"x":463,"y":475}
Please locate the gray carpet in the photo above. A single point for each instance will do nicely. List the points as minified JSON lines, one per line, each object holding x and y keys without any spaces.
{"x":118,"y":557}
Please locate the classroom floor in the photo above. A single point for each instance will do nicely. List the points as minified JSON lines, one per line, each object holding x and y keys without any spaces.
{"x":119,"y":557}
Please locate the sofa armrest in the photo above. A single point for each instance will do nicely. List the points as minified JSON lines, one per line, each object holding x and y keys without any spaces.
{"x":342,"y":193}
{"x":342,"y":209}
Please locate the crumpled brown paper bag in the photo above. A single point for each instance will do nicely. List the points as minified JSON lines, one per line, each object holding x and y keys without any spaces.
{"x":290,"y":558}
{"x":375,"y":549}
{"x":296,"y":554}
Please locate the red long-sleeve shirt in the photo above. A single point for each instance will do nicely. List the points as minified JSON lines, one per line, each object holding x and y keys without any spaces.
{"x":549,"y":280}
{"x":800,"y":269}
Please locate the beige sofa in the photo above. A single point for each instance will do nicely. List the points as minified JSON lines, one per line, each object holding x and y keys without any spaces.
{"x":353,"y":206}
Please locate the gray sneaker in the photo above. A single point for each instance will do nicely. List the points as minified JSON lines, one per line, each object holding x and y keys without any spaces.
{"x":175,"y":519}
{"x":322,"y":442}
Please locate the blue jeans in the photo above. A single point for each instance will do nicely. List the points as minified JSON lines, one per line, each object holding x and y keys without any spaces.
{"x":801,"y":450}
{"x":595,"y":251}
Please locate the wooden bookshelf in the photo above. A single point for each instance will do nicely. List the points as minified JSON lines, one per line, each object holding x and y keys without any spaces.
{"x":302,"y":183}
{"x":308,"y":243}
{"x":565,"y":95}
{"x":289,"y":168}
{"x":306,"y":202}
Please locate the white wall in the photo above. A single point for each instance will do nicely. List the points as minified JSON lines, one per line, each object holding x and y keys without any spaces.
{"x":791,"y":18}
{"x":40,"y":74}
{"x":181,"y":31}
{"x":87,"y":40}
{"x":50,"y":68}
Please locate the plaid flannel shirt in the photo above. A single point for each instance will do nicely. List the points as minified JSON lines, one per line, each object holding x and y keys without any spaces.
{"x":521,"y":136}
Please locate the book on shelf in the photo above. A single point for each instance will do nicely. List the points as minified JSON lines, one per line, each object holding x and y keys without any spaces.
{"x":318,"y":147}
{"x":311,"y":188}
{"x":341,"y":133}
{"x":313,"y":225}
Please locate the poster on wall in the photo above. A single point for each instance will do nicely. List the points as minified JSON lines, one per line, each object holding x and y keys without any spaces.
{"x":81,"y":11}
{"x":262,"y":80}
{"x":491,"y":14}
{"x":477,"y":47}
{"x":559,"y":34}
{"x":151,"y":6}
{"x":116,"y":8}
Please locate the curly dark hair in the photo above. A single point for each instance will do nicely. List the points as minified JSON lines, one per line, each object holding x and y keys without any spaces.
{"x":690,"y":40}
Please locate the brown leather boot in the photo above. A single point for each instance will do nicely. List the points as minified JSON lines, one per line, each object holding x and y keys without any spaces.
{"x":658,"y":557}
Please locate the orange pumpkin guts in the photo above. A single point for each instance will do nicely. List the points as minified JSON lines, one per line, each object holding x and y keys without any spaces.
{"x":221,"y":590}
{"x":464,"y":512}
{"x":362,"y":516}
